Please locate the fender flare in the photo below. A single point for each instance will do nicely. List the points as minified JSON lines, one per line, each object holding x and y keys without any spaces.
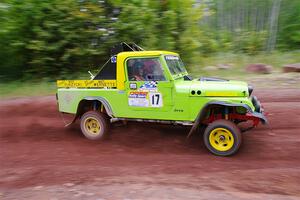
{"x":102,"y":100}
{"x":202,"y":114}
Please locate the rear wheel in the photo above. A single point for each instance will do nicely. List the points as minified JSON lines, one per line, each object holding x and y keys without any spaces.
{"x":222,"y":138}
{"x":94,"y":125}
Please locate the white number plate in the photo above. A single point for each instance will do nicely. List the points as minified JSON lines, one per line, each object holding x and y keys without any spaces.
{"x":155,"y":99}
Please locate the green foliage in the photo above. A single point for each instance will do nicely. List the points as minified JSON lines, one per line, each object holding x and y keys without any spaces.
{"x":289,"y":31}
{"x":171,"y":25}
{"x":252,"y":26}
{"x":249,"y":42}
{"x":54,"y":38}
{"x":136,"y":23}
{"x":45,"y":38}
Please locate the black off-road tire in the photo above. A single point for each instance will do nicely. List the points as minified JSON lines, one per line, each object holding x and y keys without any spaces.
{"x":95,"y":125}
{"x":231,"y":133}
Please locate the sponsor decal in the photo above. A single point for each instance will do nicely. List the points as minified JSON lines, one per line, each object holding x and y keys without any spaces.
{"x":113,"y":59}
{"x":150,"y":85}
{"x":145,"y":96}
{"x":145,"y":99}
{"x":172,"y":58}
{"x":86,"y":83}
{"x":138,"y":94}
{"x":132,"y":86}
{"x":138,"y":99}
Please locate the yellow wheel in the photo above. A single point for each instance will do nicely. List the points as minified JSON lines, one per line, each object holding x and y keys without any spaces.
{"x":94,"y":125}
{"x":222,"y":137}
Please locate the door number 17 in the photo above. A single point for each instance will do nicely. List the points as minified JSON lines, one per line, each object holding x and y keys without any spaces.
{"x":155,"y":99}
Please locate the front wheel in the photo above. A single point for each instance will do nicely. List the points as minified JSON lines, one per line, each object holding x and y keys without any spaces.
{"x":94,"y":125}
{"x":222,"y":137}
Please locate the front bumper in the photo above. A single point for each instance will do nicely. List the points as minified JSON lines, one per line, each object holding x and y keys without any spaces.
{"x":261,"y":116}
{"x":258,"y":111}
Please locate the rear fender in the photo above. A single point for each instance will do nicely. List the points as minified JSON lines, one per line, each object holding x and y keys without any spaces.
{"x":85,"y":100}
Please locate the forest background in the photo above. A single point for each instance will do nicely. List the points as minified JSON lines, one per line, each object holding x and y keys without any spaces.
{"x":42,"y":41}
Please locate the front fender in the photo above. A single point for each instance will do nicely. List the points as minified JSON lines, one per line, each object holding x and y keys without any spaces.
{"x":202,"y":114}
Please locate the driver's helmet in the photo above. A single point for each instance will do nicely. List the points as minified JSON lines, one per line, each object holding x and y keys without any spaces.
{"x":150,"y":67}
{"x":139,"y":67}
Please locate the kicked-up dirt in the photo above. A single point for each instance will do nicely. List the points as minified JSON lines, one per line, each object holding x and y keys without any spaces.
{"x":41,"y":159}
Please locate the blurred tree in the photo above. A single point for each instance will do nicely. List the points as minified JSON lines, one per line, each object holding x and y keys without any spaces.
{"x":52,"y":36}
{"x":11,"y":55}
{"x":252,"y":26}
{"x":289,"y":25}
{"x":172,"y":25}
{"x":249,"y":26}
{"x":135,"y":22}
{"x":189,"y":34}
{"x":273,"y":25}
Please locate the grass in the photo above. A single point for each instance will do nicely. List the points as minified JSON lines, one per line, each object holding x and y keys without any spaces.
{"x":237,"y":72}
{"x":238,"y":62}
{"x":21,"y":89}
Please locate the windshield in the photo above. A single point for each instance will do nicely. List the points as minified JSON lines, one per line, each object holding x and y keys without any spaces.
{"x":175,"y":65}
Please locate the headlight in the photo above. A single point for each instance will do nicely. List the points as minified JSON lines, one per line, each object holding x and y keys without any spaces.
{"x":250,"y":89}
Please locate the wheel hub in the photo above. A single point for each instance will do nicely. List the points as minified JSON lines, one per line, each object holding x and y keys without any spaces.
{"x":221,"y":139}
{"x":92,"y":126}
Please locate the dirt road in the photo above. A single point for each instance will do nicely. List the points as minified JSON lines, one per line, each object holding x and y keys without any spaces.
{"x":40,"y":159}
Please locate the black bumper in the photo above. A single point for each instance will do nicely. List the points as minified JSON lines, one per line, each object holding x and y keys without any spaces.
{"x":259,"y":111}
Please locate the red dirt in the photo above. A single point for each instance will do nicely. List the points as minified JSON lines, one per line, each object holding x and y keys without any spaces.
{"x":40,"y":158}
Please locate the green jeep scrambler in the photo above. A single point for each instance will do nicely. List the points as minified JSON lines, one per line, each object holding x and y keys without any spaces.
{"x":154,"y":86}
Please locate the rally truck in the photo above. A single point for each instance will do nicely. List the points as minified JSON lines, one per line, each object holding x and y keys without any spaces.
{"x":154,"y":86}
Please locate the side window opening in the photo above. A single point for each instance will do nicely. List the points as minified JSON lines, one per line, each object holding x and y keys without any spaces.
{"x":109,"y":70}
{"x":145,"y":69}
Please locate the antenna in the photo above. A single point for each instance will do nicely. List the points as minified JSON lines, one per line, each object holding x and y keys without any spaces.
{"x":139,"y":47}
{"x":128,"y":46}
{"x":92,"y":75}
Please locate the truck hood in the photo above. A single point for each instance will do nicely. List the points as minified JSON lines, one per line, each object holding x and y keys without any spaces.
{"x":214,"y":87}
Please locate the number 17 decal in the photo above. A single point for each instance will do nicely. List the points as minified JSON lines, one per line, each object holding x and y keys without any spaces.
{"x":155,"y":99}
